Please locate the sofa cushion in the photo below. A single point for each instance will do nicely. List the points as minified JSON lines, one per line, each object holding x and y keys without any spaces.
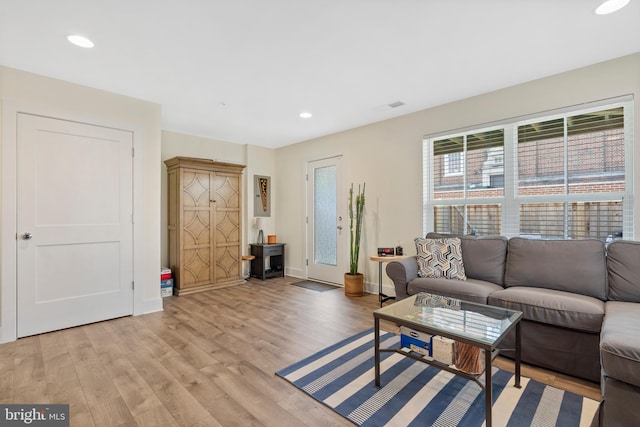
{"x":620,"y":342}
{"x":558,"y":308}
{"x":469,"y":290}
{"x":577,"y":266}
{"x":440,"y":258}
{"x":484,"y":257}
{"x":623,"y":264}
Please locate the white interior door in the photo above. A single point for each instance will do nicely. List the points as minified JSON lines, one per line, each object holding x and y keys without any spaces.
{"x":328,"y":227}
{"x":75,"y":231}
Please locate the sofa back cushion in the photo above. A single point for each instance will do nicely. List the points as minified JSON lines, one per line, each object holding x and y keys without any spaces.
{"x":577,"y":266}
{"x":483,"y":257}
{"x":623,"y":264}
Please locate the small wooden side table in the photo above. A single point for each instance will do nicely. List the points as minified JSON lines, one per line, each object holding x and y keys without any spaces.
{"x":247,"y":258}
{"x":380,"y":260}
{"x":274,"y":252}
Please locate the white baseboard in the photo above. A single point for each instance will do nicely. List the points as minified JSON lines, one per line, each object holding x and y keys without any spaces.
{"x":373,"y":288}
{"x":295,"y":272}
{"x":150,"y":306}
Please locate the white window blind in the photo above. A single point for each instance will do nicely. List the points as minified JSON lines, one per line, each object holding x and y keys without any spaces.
{"x":472,"y":219}
{"x":465,"y":196}
{"x":574,"y":158}
{"x":564,"y":177}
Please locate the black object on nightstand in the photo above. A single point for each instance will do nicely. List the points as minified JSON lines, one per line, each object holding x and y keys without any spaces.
{"x":274,"y":252}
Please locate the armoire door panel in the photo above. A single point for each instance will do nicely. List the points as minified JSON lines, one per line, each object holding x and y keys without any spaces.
{"x":227,"y":262}
{"x":226,"y":189}
{"x":196,"y":189}
{"x":227,"y":227}
{"x":197,"y":266}
{"x":197,"y":228}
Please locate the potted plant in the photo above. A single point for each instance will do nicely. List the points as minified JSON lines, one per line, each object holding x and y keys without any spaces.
{"x":354,"y":281}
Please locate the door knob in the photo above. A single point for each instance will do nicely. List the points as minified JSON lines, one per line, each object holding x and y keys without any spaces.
{"x":27,"y":236}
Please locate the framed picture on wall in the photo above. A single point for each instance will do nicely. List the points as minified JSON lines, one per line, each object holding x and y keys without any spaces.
{"x":262,"y":195}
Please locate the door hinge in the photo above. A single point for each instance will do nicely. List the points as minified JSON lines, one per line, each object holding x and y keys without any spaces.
{"x":133,"y":152}
{"x":307,"y":262}
{"x":133,"y":284}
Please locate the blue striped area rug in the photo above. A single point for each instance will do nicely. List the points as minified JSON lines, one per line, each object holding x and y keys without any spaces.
{"x":416,"y":394}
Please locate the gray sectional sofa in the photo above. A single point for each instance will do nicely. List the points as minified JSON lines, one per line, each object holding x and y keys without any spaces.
{"x":580,"y":301}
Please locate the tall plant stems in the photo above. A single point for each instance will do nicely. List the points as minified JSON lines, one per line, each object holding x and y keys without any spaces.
{"x":355,"y":232}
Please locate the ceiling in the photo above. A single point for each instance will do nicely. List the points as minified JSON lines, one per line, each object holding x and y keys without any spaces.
{"x":242,"y":70}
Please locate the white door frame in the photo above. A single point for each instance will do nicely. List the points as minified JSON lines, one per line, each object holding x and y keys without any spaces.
{"x":8,"y":212}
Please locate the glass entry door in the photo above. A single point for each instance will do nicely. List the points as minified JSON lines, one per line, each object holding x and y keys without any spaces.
{"x":327,"y":225}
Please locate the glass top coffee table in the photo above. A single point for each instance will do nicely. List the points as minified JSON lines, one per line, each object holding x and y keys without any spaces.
{"x":477,"y":325}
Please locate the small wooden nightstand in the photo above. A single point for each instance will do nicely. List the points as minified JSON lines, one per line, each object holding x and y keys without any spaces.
{"x":274,"y":253}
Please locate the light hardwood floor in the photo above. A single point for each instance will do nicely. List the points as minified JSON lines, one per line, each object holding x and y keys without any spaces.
{"x":207,"y":360}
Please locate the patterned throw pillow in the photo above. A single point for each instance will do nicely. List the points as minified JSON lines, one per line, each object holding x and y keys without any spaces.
{"x":440,"y":258}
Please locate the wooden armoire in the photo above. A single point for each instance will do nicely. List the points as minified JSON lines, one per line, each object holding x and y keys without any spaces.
{"x":205,"y":224}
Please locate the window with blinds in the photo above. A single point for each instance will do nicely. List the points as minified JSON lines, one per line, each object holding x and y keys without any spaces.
{"x":565,"y":177}
{"x":478,"y":176}
{"x":573,"y":158}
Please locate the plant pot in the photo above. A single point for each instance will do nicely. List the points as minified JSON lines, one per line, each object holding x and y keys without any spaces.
{"x":353,"y":284}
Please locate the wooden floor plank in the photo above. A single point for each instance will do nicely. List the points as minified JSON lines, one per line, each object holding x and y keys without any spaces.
{"x":255,"y":401}
{"x":60,"y":373}
{"x":35,"y":392}
{"x":28,"y":370}
{"x":159,"y":416}
{"x":222,"y":407}
{"x":6,"y":382}
{"x":181,"y":404}
{"x":112,"y":413}
{"x":208,"y":359}
{"x":96,"y":382}
{"x":79,"y":412}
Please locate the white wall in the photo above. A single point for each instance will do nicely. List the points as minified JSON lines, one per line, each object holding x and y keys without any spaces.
{"x":22,"y":91}
{"x":261,"y":161}
{"x":388,"y":155}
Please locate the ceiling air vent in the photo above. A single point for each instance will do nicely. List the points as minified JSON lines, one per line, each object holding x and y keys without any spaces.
{"x":395,"y":104}
{"x":390,"y":106}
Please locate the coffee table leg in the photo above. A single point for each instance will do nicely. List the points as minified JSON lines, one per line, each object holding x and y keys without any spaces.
{"x":376,"y":350}
{"x":487,"y":387}
{"x":517,"y":384}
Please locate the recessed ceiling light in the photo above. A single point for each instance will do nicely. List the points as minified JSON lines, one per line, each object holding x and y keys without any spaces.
{"x":80,"y":41}
{"x":306,"y":115}
{"x":610,"y":6}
